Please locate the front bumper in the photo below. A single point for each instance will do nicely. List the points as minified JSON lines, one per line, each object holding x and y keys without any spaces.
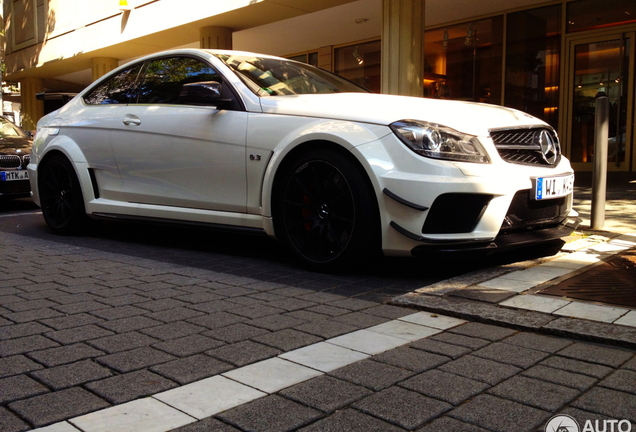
{"x":505,"y":241}
{"x":15,"y":189}
{"x":430,"y":206}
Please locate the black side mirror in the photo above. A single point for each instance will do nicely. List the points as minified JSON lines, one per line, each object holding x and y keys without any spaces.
{"x":206,"y":93}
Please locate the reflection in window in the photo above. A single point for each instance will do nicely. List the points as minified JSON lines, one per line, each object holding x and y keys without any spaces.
{"x":600,"y":67}
{"x":463,"y":62}
{"x":594,"y":14}
{"x":164,"y":79}
{"x":8,"y":129}
{"x":275,"y":77}
{"x":117,"y":90}
{"x":361,"y":64}
{"x":532,"y":62}
{"x":309,"y":58}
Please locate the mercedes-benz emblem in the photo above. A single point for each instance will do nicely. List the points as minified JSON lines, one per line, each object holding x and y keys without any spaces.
{"x":548,"y":147}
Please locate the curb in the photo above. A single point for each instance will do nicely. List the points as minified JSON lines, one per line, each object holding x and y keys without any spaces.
{"x":439,"y":298}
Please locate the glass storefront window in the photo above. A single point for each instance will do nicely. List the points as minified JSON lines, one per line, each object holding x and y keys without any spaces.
{"x":360,"y":63}
{"x":463,"y":62}
{"x":532,"y":62}
{"x":600,"y":67}
{"x":595,"y":14}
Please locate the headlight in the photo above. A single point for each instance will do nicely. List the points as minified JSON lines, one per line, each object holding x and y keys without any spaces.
{"x":439,"y":142}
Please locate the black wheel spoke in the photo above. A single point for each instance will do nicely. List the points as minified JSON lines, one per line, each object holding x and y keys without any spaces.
{"x":319,"y":211}
{"x":335,"y":237}
{"x":306,"y":190}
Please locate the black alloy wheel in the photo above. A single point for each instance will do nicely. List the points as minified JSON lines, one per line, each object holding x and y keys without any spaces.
{"x":61,"y":196}
{"x":327,"y":213}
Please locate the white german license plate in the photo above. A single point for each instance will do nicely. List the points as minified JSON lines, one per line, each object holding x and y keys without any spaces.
{"x":14,"y":175}
{"x":553,"y":187}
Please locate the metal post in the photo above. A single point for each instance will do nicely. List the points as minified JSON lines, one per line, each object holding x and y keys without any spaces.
{"x":599,"y":175}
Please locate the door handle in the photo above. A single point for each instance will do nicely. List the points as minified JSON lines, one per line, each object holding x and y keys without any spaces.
{"x":131,"y":121}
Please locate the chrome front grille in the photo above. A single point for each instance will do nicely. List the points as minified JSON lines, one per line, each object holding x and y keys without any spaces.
{"x":10,"y":161}
{"x":534,"y":146}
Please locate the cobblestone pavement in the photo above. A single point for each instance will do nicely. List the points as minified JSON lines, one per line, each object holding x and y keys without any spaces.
{"x":83,"y":330}
{"x":105,"y":333}
{"x":89,"y":322}
{"x":473,"y":377}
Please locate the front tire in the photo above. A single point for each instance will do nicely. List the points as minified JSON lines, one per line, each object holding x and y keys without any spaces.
{"x":326,"y":213}
{"x":61,"y":196}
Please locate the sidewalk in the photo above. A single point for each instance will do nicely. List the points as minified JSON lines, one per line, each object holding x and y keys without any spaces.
{"x":101,"y":341}
{"x":510,"y":296}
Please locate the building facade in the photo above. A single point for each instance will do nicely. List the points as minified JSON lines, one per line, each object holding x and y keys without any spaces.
{"x":550,"y":59}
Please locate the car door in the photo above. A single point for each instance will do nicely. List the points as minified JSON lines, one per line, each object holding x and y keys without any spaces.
{"x":174,"y":148}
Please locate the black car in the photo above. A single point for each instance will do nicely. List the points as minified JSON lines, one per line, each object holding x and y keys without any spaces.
{"x":15,"y":154}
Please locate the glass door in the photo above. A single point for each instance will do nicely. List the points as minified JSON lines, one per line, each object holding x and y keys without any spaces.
{"x":596,"y":65}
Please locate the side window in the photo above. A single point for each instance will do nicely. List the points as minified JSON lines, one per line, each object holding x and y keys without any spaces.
{"x":117,"y":90}
{"x":179,"y":80}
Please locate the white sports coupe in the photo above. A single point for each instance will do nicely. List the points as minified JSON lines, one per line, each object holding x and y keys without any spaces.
{"x":256,"y":143}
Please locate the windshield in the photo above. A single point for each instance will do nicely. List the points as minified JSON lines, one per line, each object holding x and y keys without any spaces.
{"x":9,"y":130}
{"x":277,"y":77}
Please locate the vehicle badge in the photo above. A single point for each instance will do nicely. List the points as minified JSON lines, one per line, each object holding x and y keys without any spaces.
{"x":548,"y":146}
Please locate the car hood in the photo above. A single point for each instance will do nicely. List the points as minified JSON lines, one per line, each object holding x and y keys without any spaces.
{"x":467,"y":117}
{"x":9,"y":145}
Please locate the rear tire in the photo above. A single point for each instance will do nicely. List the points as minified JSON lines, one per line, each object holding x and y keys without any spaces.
{"x":326,"y":211}
{"x":61,"y":196}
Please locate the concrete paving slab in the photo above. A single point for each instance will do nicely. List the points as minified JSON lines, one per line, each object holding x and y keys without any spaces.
{"x":324,"y":357}
{"x":592,"y":312}
{"x":59,"y":427}
{"x":272,"y":375}
{"x":482,"y":294}
{"x":404,"y":330}
{"x":538,"y":274}
{"x":208,"y":397}
{"x":629,"y":319}
{"x":142,"y":415}
{"x":536,"y":303}
{"x":367,"y":342}
{"x":441,"y":322}
{"x":507,"y":284}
